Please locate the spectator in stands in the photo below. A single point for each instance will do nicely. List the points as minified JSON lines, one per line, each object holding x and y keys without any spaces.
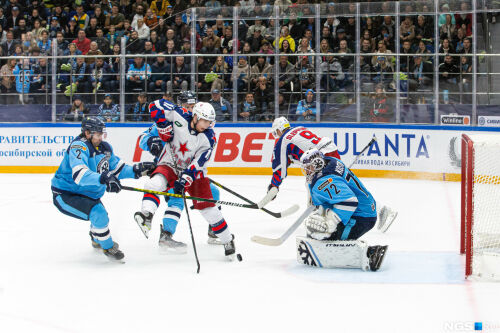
{"x":139,"y":14}
{"x":81,"y":76}
{"x":422,"y":49}
{"x":306,"y":77}
{"x":114,"y":60}
{"x":159,"y":7}
{"x":447,"y":30}
{"x":306,"y":109}
{"x":333,"y":77}
{"x":72,"y":30}
{"x":82,"y":42}
{"x":382,"y":50}
{"x":379,"y":109}
{"x":285,"y":35}
{"x":383,"y":72}
{"x":448,"y":74}
{"x":99,"y":15}
{"x":8,"y":81}
{"x":139,"y":111}
{"x":261,"y":69}
{"x":211,"y":35}
{"x":222,"y":107}
{"x":256,"y":26}
{"x":160,"y":70}
{"x":139,"y":3}
{"x":112,"y":36}
{"x":221,"y":69}
{"x":445,"y":8}
{"x":247,"y":109}
{"x":345,"y":60}
{"x":141,"y":28}
{"x":241,"y":74}
{"x":466,"y":79}
{"x":61,"y":16}
{"x":389,"y":26}
{"x":102,"y":42}
{"x":150,"y":19}
{"x":109,"y":111}
{"x":81,"y":18}
{"x":326,"y":35}
{"x":94,"y":50}
{"x":467,"y":47}
{"x":45,"y":44}
{"x":424,"y":30}
{"x":54,"y":27}
{"x":458,"y":40}
{"x":420,"y":78}
{"x":135,"y":45}
{"x":227,"y":41}
{"x":13,"y":19}
{"x":283,"y":106}
{"x":180,"y":76}
{"x":286,"y":74}
{"x":115,"y":19}
{"x":406,"y":59}
{"x":255,"y":40}
{"x":407,"y":30}
{"x":464,"y":19}
{"x":101,"y":76}
{"x":3,"y":19}
{"x":77,"y":111}
{"x":263,"y":95}
{"x":138,"y":74}
{"x":91,"y":31}
{"x":21,"y":28}
{"x":210,"y":48}
{"x":181,"y":29}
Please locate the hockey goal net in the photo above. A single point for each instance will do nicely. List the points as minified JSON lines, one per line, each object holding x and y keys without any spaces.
{"x":480,"y":229}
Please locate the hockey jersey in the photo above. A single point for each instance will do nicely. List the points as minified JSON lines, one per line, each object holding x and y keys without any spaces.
{"x":337,"y":188}
{"x":83,"y":165}
{"x":189,"y":151}
{"x":291,"y":146}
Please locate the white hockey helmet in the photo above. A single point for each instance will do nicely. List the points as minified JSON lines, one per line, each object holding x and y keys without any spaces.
{"x":281,"y":124}
{"x":312,"y":161}
{"x":204,"y":111}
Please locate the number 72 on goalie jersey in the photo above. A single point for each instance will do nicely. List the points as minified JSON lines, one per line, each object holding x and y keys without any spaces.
{"x":337,"y":188}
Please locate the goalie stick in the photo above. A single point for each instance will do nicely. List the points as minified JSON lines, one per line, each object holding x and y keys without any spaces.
{"x":284,"y":237}
{"x":286,"y":212}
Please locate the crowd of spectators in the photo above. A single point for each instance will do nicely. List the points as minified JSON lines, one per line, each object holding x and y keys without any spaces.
{"x":158,"y":40}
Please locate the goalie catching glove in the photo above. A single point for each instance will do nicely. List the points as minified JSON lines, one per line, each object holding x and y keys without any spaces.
{"x":321,"y":224}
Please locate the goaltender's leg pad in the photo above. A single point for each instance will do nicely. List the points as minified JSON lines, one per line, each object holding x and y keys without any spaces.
{"x":332,"y":254}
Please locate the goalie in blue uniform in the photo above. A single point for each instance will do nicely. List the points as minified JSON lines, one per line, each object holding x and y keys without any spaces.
{"x":90,"y":168}
{"x":345,"y":211}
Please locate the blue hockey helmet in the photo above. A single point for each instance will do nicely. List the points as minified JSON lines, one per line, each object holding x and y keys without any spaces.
{"x":93,"y":124}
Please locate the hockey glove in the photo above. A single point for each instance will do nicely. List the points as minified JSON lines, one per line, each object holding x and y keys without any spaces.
{"x":272,"y":192}
{"x":143,"y":169}
{"x":181,"y":183}
{"x":155,"y":146}
{"x":112,"y":183}
{"x":165,"y":131}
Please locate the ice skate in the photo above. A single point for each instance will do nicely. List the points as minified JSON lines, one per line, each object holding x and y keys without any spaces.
{"x":230,"y":249}
{"x":212,"y":238}
{"x":386,"y":217}
{"x":114,"y":253}
{"x":169,"y":245}
{"x":144,"y":222}
{"x":376,"y":255}
{"x":95,"y":245}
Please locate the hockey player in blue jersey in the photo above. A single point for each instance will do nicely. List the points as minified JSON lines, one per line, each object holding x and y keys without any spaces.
{"x":345,"y":211}
{"x":90,"y":168}
{"x":150,"y":141}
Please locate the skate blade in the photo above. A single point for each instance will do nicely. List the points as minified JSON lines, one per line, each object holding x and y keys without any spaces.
{"x":172,"y":251}
{"x":144,"y":230}
{"x":213,"y":241}
{"x":388,"y":222}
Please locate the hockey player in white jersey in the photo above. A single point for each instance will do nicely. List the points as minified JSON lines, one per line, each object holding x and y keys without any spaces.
{"x":291,"y":145}
{"x":182,"y":165}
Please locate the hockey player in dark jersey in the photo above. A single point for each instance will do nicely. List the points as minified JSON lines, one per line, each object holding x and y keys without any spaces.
{"x":90,"y":168}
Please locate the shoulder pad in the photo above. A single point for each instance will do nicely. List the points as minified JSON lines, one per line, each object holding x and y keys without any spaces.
{"x":184,"y":113}
{"x":212,"y":138}
{"x":333,"y":167}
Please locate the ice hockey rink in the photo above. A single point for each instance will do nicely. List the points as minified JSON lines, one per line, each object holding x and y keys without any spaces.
{"x":51,"y":279}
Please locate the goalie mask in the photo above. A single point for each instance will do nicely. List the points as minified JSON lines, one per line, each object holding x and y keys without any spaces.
{"x":312,"y":162}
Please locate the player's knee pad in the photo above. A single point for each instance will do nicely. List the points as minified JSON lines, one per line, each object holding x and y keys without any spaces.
{"x":99,"y":216}
{"x":212,"y":215}
{"x":156,"y":183}
{"x":215,"y":192}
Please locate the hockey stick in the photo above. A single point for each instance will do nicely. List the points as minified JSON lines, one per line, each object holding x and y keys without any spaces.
{"x":191,"y":231}
{"x":284,"y":237}
{"x":284,"y":213}
{"x":235,"y":204}
{"x":364,"y":149}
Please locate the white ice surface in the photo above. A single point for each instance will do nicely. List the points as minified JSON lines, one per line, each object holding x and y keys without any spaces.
{"x":51,"y":280}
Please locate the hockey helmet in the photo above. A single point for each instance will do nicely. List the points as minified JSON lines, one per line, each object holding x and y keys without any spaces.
{"x":281,"y":124}
{"x":312,"y":161}
{"x":204,"y":111}
{"x":186,"y":97}
{"x":93,"y":124}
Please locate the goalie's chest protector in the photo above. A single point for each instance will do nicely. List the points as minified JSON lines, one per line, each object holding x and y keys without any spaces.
{"x":186,"y":141}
